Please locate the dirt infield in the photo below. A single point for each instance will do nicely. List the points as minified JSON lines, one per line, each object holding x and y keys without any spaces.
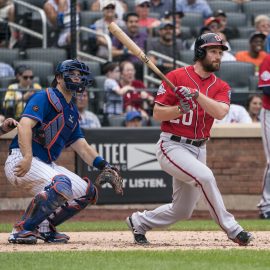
{"x":123,"y":240}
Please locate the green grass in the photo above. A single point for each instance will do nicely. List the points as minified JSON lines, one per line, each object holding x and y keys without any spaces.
{"x":164,"y":260}
{"x":190,"y":225}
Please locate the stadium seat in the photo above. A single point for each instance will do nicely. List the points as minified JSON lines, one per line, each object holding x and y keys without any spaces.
{"x":236,"y":74}
{"x":236,"y":19}
{"x":226,"y":6}
{"x":9,"y":55}
{"x":6,"y":81}
{"x":53,"y":55}
{"x":239,"y":44}
{"x":253,"y":83}
{"x":37,"y":3}
{"x":245,"y":31}
{"x":40,"y":69}
{"x":89,"y":17}
{"x":186,"y":56}
{"x":94,"y":68}
{"x":116,"y":120}
{"x":192,"y":20}
{"x":254,"y":8}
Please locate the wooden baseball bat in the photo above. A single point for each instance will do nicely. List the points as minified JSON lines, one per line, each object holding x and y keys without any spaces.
{"x":137,"y":51}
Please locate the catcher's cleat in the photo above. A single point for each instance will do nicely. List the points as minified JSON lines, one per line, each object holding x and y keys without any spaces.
{"x":243,"y":238}
{"x":139,"y":239}
{"x":54,"y":237}
{"x":23,"y":237}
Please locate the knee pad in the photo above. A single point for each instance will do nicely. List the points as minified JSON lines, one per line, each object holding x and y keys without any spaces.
{"x":69,"y":209}
{"x":62,"y":185}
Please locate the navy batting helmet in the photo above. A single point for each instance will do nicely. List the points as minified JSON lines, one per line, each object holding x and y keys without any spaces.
{"x":205,"y":40}
{"x":64,"y":69}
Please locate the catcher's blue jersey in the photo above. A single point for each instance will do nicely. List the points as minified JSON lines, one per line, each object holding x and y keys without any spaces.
{"x":42,"y":110}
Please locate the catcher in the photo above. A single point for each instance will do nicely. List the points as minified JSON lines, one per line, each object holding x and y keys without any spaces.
{"x":49,"y":123}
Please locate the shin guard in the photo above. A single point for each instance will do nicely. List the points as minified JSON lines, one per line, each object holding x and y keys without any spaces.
{"x":46,"y":202}
{"x":68,"y":210}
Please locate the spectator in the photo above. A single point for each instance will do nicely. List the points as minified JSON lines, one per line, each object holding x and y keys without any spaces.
{"x":160,"y":6}
{"x":113,"y":101}
{"x":229,"y":32}
{"x":213,"y":24}
{"x":101,"y":25}
{"x":164,"y":45}
{"x":168,"y":16}
{"x":236,"y":114}
{"x":7,"y":12}
{"x":18,"y":93}
{"x":254,"y":105}
{"x":138,"y":35}
{"x":6,"y":70}
{"x":58,"y":15}
{"x":133,"y":119}
{"x":255,"y":54}
{"x":262,"y":24}
{"x":136,"y":98}
{"x":87,"y":119}
{"x":121,"y":7}
{"x":142,"y":8}
{"x":196,"y":6}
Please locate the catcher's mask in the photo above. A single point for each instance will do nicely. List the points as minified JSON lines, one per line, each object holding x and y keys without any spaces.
{"x":64,"y":68}
{"x":205,"y":40}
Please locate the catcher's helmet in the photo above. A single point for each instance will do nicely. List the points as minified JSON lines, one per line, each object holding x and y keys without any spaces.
{"x":209,"y":39}
{"x":64,"y":69}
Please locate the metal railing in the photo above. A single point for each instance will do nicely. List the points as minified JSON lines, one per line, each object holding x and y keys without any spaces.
{"x":92,"y":57}
{"x":42,"y":14}
{"x":150,"y":79}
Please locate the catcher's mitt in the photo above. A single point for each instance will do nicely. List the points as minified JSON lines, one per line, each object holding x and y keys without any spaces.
{"x":112,"y":176}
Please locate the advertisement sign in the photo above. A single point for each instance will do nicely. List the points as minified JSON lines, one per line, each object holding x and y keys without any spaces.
{"x":132,"y":150}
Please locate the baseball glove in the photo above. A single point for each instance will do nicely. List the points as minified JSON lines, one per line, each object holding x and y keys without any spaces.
{"x":112,"y":176}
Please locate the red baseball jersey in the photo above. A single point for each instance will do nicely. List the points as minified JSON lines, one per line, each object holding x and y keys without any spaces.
{"x":264,"y":80}
{"x":195,"y":124}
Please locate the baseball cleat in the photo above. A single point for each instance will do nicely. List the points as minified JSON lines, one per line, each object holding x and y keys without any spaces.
{"x":139,"y":239}
{"x":23,"y":237}
{"x":54,"y":237}
{"x":243,"y":238}
{"x":265,"y":215}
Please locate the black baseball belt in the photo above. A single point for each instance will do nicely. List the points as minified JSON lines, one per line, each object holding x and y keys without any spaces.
{"x":196,"y":143}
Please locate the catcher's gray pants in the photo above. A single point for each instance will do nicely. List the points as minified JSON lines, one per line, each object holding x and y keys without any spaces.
{"x":39,"y":176}
{"x":191,"y":179}
{"x":264,"y":204}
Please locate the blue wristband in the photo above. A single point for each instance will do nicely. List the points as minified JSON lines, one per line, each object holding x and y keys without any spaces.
{"x":100,"y":163}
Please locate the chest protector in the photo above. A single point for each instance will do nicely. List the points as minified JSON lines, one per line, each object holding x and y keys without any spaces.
{"x":48,"y":133}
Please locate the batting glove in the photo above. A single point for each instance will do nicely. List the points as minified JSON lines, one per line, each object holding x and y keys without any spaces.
{"x":183,"y":92}
{"x":186,"y":105}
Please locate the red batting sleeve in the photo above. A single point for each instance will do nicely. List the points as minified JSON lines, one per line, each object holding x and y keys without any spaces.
{"x":165,"y":95}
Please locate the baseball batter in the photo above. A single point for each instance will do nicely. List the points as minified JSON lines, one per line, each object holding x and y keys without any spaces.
{"x":187,"y":114}
{"x":264,"y":85}
{"x":48,"y":124}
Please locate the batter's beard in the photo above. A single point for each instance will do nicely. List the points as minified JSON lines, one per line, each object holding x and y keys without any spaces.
{"x":210,"y":67}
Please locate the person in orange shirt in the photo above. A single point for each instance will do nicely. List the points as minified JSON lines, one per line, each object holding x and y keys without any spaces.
{"x":256,"y":53}
{"x":142,"y":8}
